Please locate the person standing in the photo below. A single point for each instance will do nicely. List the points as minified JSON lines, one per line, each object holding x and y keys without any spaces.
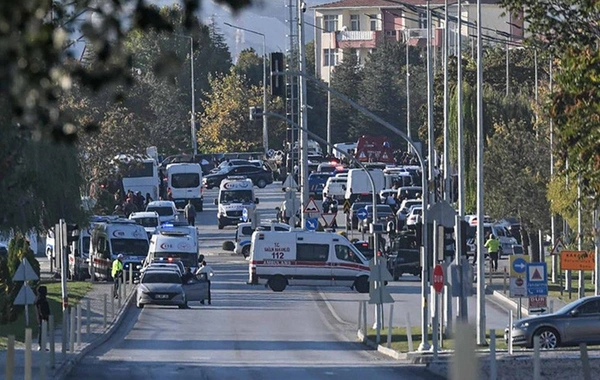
{"x":493,"y":246}
{"x":117,"y":274}
{"x":42,"y":309}
{"x":204,"y":268}
{"x":190,"y":213}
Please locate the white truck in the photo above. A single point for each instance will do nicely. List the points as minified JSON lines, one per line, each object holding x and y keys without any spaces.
{"x":279,"y":259}
{"x":184,"y":180}
{"x":236,"y":199}
{"x":358,"y":184}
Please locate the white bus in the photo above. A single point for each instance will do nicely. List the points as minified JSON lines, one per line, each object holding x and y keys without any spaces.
{"x":140,"y":174}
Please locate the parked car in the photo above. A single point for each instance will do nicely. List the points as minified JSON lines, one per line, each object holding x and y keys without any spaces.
{"x":414,"y":216}
{"x":259,"y":176}
{"x":316,"y":184}
{"x":575,"y":323}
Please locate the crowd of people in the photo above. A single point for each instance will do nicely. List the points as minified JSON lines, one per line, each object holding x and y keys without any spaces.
{"x":131,"y":202}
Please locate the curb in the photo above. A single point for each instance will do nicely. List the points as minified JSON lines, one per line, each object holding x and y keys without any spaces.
{"x":65,"y":368}
{"x":509,"y":302}
{"x":384,"y":350}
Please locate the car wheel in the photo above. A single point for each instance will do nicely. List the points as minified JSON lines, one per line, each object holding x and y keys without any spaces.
{"x":549,"y":338}
{"x":261,"y":183}
{"x":277,"y":283}
{"x":361,"y":284}
{"x":246,"y":251}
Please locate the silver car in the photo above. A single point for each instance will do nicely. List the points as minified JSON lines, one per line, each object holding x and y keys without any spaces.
{"x":165,"y":287}
{"x":577,"y":322}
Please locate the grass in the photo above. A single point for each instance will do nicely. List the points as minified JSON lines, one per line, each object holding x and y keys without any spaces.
{"x":76,"y":291}
{"x":400,"y":339}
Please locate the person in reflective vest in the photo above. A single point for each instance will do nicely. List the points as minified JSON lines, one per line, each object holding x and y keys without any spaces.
{"x":117,"y":273}
{"x":493,"y":247}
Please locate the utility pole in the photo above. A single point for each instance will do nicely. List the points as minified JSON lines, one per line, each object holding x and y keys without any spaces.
{"x":303,"y":164}
{"x":480,"y":212}
{"x":407,"y":33}
{"x":581,"y":279}
{"x":552,"y":216}
{"x":446,"y":131}
{"x":194,"y":138}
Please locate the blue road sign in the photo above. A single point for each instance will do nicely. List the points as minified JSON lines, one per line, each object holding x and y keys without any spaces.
{"x":312,"y":224}
{"x":537,"y":279}
{"x":245,"y":214}
{"x":519,"y":265}
{"x":361,"y":213}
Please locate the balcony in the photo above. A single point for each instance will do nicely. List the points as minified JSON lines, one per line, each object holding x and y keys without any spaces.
{"x":354,"y":39}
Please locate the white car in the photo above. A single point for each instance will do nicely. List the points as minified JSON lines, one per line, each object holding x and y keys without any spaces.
{"x":336,"y":187}
{"x":414,"y":216}
{"x":166,"y":210}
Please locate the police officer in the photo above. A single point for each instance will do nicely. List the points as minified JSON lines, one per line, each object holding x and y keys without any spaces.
{"x":493,"y":247}
{"x":117,"y":273}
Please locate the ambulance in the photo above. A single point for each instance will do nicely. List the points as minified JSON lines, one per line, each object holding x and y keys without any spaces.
{"x":236,"y":194}
{"x":174,"y":244}
{"x":111,"y":238}
{"x":279,"y":259}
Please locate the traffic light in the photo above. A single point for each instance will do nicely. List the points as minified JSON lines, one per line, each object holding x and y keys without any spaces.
{"x":277,"y":78}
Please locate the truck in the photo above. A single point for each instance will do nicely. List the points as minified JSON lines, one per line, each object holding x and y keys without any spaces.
{"x":374,"y":149}
{"x":358,"y":184}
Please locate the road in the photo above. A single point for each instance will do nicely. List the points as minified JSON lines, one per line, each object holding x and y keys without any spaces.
{"x":251,"y":332}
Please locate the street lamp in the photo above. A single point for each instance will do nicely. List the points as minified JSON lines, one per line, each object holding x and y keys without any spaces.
{"x":264,"y":55}
{"x":193,"y":118}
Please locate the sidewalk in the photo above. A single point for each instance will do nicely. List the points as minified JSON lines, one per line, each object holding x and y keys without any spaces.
{"x":98,"y":334}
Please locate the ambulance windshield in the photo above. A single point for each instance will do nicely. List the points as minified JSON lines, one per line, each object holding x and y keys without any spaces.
{"x":236,"y":196}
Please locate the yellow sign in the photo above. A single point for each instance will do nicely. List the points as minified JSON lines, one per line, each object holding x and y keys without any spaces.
{"x":347,"y":207}
{"x":518,"y":265}
{"x":577,"y":260}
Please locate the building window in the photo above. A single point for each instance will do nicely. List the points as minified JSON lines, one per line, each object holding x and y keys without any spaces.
{"x":374,"y":22}
{"x":354,"y":22}
{"x":423,"y":20}
{"x":330,"y":57}
{"x":330,"y":23}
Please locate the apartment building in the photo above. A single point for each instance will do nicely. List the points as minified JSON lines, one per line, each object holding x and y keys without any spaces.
{"x":357,"y":27}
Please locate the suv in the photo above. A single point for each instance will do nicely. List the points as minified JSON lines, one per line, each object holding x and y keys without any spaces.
{"x":166,"y":210}
{"x":259,"y":176}
{"x":243,"y":234}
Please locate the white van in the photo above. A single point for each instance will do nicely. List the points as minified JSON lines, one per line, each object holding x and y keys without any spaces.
{"x":358,"y":184}
{"x":348,"y":147}
{"x":174,"y":244}
{"x":147,"y":219}
{"x":79,"y":255}
{"x":185,"y":182}
{"x":236,"y":194}
{"x":336,"y":187}
{"x":279,"y":259}
{"x":114,"y":237}
{"x":243,"y":234}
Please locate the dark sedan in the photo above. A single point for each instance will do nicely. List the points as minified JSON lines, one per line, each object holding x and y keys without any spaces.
{"x":259,"y":176}
{"x":577,"y":322}
{"x":384,"y":215}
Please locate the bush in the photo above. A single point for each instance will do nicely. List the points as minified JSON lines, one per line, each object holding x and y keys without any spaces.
{"x":228,"y":246}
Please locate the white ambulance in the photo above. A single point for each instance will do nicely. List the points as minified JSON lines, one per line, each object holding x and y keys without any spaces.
{"x":111,"y":238}
{"x":279,"y":259}
{"x":174,"y":244}
{"x":236,"y":194}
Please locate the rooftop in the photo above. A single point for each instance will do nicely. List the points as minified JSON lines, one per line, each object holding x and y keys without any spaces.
{"x":384,"y":3}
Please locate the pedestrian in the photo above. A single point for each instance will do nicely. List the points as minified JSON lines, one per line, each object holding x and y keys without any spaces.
{"x":117,"y":274}
{"x":148,"y":200}
{"x":204,"y":268}
{"x":190,"y":213}
{"x":493,"y":246}
{"x":129,"y":207}
{"x":42,"y":308}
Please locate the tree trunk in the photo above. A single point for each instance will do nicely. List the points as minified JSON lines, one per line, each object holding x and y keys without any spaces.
{"x":535,"y":247}
{"x":525,"y":240}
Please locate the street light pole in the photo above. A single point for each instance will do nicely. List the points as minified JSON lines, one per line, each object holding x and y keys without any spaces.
{"x":264,"y":80}
{"x":446,"y":128}
{"x":303,"y":113}
{"x":193,"y":85}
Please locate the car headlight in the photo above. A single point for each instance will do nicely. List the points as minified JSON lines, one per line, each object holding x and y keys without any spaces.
{"x":522,"y":325}
{"x":138,"y":266}
{"x":144,"y":289}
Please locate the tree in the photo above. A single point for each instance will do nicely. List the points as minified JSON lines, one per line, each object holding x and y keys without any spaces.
{"x":567,"y":30}
{"x":344,"y":120}
{"x":226,"y":126}
{"x":250,"y":66}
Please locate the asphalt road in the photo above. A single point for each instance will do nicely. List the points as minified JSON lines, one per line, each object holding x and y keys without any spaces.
{"x":250,"y":332}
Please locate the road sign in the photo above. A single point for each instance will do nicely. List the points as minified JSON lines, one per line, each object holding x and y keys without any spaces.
{"x":289,"y":183}
{"x":25,"y":272}
{"x":347,"y":207}
{"x":577,"y":260}
{"x":537,"y":279}
{"x":328,"y":219}
{"x":245,"y":214}
{"x":518,"y":287}
{"x":270,"y":153}
{"x":361,"y":213}
{"x":311,"y":207}
{"x":378,"y":276}
{"x":518,"y":264}
{"x":559,"y":246}
{"x":312,"y":224}
{"x":438,"y":278}
{"x":25,"y":296}
{"x":536,"y":303}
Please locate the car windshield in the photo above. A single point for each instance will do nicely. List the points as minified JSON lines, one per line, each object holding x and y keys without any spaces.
{"x":188,"y":259}
{"x":147,"y":222}
{"x":236,"y":196}
{"x":161,"y":278}
{"x":161,"y":210}
{"x":129,"y":247}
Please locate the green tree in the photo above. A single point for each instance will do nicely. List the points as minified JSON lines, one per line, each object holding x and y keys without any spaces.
{"x":250,"y":65}
{"x":344,"y":119}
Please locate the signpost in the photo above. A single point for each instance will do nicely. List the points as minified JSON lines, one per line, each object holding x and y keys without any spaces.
{"x":311,"y":207}
{"x":25,"y":296}
{"x":438,"y":278}
{"x":518,"y":279}
{"x":361,"y":214}
{"x":311,"y":224}
{"x":577,"y":260}
{"x":347,"y":207}
{"x":328,"y":219}
{"x":559,"y":246}
{"x":245,"y":215}
{"x":537,"y":279}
